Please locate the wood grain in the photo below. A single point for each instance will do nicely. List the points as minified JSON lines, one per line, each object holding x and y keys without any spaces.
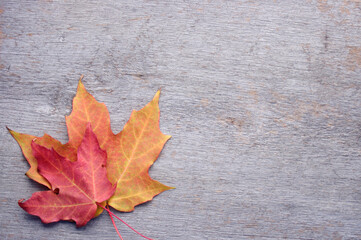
{"x":262,"y":99}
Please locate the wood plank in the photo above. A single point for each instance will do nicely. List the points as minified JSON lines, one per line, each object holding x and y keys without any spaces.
{"x":262,"y":99}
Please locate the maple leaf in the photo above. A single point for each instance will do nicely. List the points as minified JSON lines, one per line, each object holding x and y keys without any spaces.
{"x":130,"y":153}
{"x":77,"y":186}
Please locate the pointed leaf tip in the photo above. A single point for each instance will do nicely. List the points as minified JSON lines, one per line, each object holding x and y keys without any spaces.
{"x":81,"y":78}
{"x":12,"y":132}
{"x":80,"y":84}
{"x":156,"y":96}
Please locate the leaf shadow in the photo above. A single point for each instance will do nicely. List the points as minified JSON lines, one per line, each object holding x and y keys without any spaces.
{"x":37,"y":186}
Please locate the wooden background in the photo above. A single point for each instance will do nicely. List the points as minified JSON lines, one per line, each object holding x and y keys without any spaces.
{"x":262,"y":98}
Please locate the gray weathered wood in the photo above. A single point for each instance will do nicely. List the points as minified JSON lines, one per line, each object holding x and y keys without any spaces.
{"x":262,"y":99}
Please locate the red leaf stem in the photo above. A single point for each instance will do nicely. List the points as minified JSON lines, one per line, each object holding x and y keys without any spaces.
{"x":115,"y":226}
{"x":110,"y":213}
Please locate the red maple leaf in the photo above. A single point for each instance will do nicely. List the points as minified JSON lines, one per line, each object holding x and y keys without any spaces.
{"x":77,"y":186}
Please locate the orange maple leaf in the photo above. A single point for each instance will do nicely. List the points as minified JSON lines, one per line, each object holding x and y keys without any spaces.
{"x":130,"y":153}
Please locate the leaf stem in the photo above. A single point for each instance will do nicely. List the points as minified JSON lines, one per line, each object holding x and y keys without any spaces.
{"x":110,"y":214}
{"x":115,"y":226}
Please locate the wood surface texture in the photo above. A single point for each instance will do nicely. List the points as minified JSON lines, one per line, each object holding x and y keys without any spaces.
{"x":262,"y":99}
